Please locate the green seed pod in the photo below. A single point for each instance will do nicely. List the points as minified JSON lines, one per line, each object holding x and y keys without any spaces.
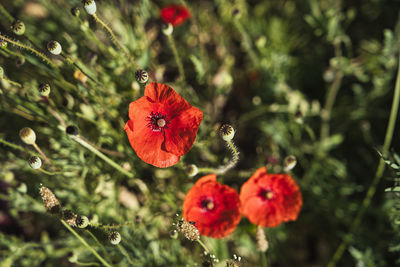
{"x":44,"y":89}
{"x":35,"y":162}
{"x":167,"y":29}
{"x":3,"y":43}
{"x":173,"y":234}
{"x":18,"y":27}
{"x":141,"y":76}
{"x":90,"y":6}
{"x":227,"y":132}
{"x":82,"y":221}
{"x":192,"y":170}
{"x":27,"y":135}
{"x":114,"y":237}
{"x":54,"y":47}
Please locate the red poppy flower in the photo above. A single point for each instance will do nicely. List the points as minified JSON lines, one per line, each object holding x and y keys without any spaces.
{"x":174,"y":14}
{"x":162,"y":126}
{"x":213,"y":207}
{"x":270,"y":199}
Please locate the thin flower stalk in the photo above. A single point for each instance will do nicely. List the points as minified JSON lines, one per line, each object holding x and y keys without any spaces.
{"x":12,"y":82}
{"x":177,"y":57}
{"x":30,"y":49}
{"x":43,"y":155}
{"x":101,"y":259}
{"x":125,"y":253}
{"x":378,"y":175}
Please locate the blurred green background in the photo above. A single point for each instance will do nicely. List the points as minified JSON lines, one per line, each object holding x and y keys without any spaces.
{"x":312,"y":78}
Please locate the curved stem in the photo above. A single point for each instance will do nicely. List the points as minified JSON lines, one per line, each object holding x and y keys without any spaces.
{"x":177,"y":58}
{"x":378,"y":175}
{"x":44,"y":156}
{"x":13,"y":83}
{"x":103,"y":261}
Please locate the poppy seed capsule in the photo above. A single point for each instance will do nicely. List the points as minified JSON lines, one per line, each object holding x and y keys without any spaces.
{"x":27,"y":135}
{"x":167,"y":29}
{"x":82,"y":221}
{"x":44,"y":89}
{"x":35,"y":162}
{"x":54,"y":47}
{"x":227,"y":132}
{"x":114,"y":237}
{"x":141,"y":76}
{"x":18,"y":27}
{"x":90,"y":6}
{"x":192,"y":170}
{"x":3,"y":43}
{"x":289,"y":163}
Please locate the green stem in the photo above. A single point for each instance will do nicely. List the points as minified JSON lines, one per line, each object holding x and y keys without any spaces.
{"x":125,"y":253}
{"x":27,"y":47}
{"x":70,"y":61}
{"x":6,"y":14}
{"x":378,"y":175}
{"x":177,"y":58}
{"x":100,"y":244}
{"x":203,"y":246}
{"x":263,"y":260}
{"x":114,"y":38}
{"x":17,"y":147}
{"x":85,"y":244}
{"x":327,"y":110}
{"x":13,"y":83}
{"x":247,"y":42}
{"x":101,"y":155}
{"x":48,"y":173}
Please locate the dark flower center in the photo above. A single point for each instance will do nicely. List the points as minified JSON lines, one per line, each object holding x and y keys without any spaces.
{"x":207,"y":204}
{"x":266,"y":194}
{"x":158,"y":122}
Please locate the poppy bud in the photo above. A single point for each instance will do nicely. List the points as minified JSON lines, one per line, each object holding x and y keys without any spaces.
{"x":192,"y":170}
{"x":189,"y":230}
{"x":289,"y":163}
{"x":298,"y":117}
{"x":1,"y":73}
{"x":69,"y":217}
{"x":27,"y":135}
{"x":44,"y":89}
{"x":173,"y":234}
{"x":35,"y":162}
{"x":18,"y":27}
{"x":72,"y":130}
{"x":90,"y":6}
{"x":141,"y":76}
{"x":167,"y":29}
{"x":227,"y":132}
{"x":54,"y":47}
{"x":75,"y":11}
{"x":72,"y":257}
{"x":50,"y":201}
{"x":114,"y":237}
{"x":82,"y":221}
{"x":3,"y":43}
{"x":20,"y":61}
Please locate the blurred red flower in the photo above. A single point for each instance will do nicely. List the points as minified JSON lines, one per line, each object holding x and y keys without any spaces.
{"x":162,"y":126}
{"x":213,"y":207}
{"x":270,"y":199}
{"x":174,"y":14}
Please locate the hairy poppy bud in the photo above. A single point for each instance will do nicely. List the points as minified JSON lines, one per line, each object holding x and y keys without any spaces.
{"x":18,"y":27}
{"x":167,"y":29}
{"x":50,"y":201}
{"x":227,"y":132}
{"x":75,"y":11}
{"x":90,"y":6}
{"x":27,"y":135}
{"x":44,"y":89}
{"x":69,"y":217}
{"x":114,"y":237}
{"x":54,"y":47}
{"x":35,"y":162}
{"x":82,"y":221}
{"x":192,"y":170}
{"x":289,"y":163}
{"x":189,"y":230}
{"x":3,"y":43}
{"x":141,"y":76}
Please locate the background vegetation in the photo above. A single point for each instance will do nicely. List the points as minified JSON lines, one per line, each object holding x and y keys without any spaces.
{"x":314,"y":79}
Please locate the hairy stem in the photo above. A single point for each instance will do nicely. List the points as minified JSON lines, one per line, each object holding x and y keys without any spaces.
{"x":177,"y":58}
